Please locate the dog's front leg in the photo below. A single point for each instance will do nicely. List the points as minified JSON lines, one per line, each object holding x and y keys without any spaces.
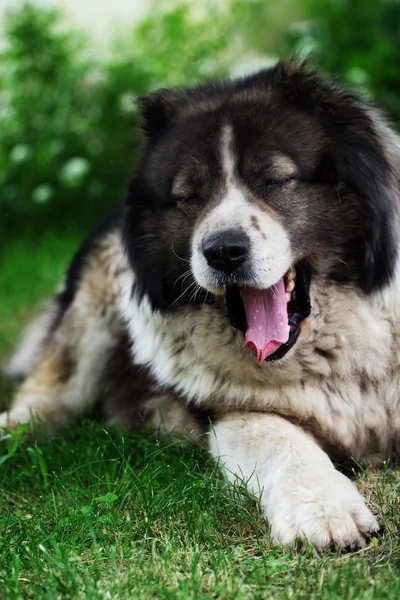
{"x":301,"y":493}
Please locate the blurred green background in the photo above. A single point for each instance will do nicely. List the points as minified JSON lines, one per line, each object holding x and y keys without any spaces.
{"x":68,"y":122}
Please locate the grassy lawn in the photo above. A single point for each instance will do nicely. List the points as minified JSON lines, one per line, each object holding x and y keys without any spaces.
{"x":98,"y":513}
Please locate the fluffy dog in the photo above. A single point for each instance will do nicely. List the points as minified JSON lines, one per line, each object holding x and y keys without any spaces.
{"x":248,"y":289}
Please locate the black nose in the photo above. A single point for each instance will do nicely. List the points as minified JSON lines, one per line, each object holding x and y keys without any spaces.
{"x":227,"y":250}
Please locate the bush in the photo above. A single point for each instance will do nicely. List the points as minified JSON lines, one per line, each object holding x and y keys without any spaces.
{"x":64,"y":135}
{"x":358,"y":41}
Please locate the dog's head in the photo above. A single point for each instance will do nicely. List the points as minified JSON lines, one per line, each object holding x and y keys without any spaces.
{"x":249,"y":188}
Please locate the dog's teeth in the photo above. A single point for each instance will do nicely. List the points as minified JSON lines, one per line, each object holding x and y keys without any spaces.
{"x":291,"y":274}
{"x":290,"y":285}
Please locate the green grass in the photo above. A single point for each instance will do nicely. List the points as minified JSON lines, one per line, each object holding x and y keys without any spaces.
{"x":100,"y":513}
{"x":30,"y":270}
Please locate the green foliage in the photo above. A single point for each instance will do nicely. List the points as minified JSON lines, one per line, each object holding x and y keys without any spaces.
{"x":64,"y":141}
{"x":359,"y":42}
{"x":173,"y":48}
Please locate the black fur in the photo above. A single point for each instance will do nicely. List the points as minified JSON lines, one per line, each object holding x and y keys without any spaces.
{"x":127,"y":388}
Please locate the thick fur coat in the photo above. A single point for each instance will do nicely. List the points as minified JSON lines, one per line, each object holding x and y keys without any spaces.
{"x":278,"y":179}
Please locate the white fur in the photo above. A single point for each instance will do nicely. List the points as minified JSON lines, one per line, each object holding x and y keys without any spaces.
{"x":28,"y":351}
{"x":301,"y":493}
{"x":270,"y":256}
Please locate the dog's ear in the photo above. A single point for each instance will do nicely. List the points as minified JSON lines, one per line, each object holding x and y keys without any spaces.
{"x":158,"y":109}
{"x":363,"y":162}
{"x":362,"y":153}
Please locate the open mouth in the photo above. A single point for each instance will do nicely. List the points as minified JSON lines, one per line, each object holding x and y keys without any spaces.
{"x":271,"y":319}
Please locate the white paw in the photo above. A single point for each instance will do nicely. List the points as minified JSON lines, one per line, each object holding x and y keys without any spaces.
{"x":326,"y":510}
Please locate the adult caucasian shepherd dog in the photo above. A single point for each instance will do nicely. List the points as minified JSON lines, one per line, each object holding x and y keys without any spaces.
{"x":248,"y":288}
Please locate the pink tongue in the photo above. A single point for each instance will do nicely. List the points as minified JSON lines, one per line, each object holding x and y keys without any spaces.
{"x":267,"y":319}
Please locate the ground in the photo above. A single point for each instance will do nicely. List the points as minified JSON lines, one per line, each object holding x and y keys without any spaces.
{"x":97,"y":513}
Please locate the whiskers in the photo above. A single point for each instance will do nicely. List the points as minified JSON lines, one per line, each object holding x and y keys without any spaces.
{"x":182,"y":280}
{"x":184,"y":277}
{"x":195,"y":293}
{"x":194,"y":284}
{"x":193,"y":288}
{"x":177,"y":255}
{"x":274,"y":289}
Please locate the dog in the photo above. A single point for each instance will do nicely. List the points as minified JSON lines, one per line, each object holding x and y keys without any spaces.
{"x":246,"y":293}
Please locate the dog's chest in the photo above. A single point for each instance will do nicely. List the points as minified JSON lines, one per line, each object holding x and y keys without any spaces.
{"x":342,"y":376}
